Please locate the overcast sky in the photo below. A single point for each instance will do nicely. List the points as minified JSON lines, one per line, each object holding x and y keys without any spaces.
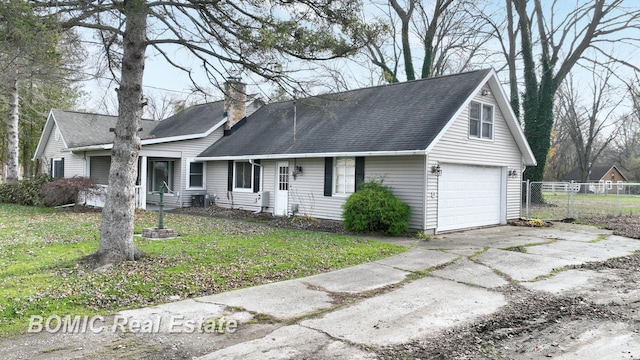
{"x":162,"y":80}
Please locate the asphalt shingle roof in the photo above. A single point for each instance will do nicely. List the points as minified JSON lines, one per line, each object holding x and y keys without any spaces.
{"x":597,"y":173}
{"x":397,"y":117}
{"x":193,"y":120}
{"x":84,"y":129}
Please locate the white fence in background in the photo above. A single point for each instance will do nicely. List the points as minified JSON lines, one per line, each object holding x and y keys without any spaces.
{"x":562,"y":200}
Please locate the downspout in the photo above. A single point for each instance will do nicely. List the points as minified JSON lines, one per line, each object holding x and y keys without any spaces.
{"x":261,"y":180}
{"x":425,"y":193}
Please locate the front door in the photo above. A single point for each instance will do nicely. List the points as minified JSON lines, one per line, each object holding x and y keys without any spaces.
{"x":282,"y":188}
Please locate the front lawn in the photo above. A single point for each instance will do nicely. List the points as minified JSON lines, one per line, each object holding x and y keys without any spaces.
{"x":39,"y":274}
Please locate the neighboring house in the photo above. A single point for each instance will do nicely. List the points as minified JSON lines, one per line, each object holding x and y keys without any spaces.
{"x":79,"y":144}
{"x":598,"y":173}
{"x":449,"y":146}
{"x":604,"y":175}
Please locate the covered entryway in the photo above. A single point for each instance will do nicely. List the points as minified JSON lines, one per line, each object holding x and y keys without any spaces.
{"x":470,"y":196}
{"x":282,"y":189}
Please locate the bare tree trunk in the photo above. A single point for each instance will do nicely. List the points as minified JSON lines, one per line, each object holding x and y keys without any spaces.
{"x":116,"y":233}
{"x":514,"y":94}
{"x":405,"y":18}
{"x":12,"y":132}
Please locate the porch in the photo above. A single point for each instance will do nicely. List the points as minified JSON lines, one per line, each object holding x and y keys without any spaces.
{"x":98,"y":196}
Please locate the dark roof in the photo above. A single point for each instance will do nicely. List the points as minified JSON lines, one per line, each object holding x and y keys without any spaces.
{"x":597,"y":173}
{"x":397,"y":117}
{"x":83,"y":129}
{"x":196,"y":119}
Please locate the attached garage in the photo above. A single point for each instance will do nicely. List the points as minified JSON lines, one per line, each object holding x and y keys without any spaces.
{"x":470,"y":196}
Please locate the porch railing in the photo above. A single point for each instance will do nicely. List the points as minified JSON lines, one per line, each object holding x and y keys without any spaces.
{"x":98,"y":196}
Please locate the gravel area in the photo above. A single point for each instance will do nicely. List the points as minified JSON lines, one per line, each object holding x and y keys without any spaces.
{"x":628,"y":225}
{"x":534,"y":325}
{"x":540,"y":325}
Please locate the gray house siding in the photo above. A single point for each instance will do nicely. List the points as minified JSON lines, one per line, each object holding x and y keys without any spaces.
{"x":185,"y":151}
{"x":268,"y":181}
{"x":457,"y":147}
{"x":307,"y":191}
{"x":404,"y":174}
{"x":73,"y":164}
{"x":217,"y":175}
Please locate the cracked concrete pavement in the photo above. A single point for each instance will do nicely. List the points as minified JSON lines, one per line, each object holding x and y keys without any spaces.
{"x":440,"y":283}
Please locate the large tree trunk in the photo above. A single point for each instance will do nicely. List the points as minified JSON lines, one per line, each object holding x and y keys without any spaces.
{"x":12,"y":132}
{"x":116,"y":233}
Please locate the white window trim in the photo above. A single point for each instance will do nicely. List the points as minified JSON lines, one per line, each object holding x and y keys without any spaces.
{"x":237,"y":189}
{"x":335,"y":176}
{"x":493,"y":123}
{"x":53,"y":167}
{"x":609,"y":184}
{"x":171,"y":164}
{"x":204,"y":175}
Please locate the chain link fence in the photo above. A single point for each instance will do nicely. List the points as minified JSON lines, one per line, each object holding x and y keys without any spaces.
{"x":570,"y":200}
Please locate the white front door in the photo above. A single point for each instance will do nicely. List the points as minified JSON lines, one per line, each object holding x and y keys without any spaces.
{"x":282,"y":189}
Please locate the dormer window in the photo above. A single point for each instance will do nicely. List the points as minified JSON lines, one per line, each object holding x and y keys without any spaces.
{"x":480,"y":121}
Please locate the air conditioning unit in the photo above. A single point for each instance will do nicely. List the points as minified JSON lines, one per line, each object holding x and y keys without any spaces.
{"x":262,"y":198}
{"x":197,"y":200}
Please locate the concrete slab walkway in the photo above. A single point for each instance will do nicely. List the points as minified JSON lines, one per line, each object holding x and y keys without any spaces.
{"x":436,"y":284}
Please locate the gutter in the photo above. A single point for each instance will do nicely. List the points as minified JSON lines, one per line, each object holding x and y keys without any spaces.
{"x":312,"y":155}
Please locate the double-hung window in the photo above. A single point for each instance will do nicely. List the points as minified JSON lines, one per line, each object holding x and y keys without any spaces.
{"x":480,"y":121}
{"x":243,"y":176}
{"x":344,"y":176}
{"x":57,"y":168}
{"x":196,"y":175}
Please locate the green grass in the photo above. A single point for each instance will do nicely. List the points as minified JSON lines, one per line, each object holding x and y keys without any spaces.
{"x":39,"y":274}
{"x":586,"y":205}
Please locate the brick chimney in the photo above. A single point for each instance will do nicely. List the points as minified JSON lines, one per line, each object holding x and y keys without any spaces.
{"x":235,"y":101}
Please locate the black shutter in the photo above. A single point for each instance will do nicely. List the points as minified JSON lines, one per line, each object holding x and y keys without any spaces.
{"x":230,"y":176}
{"x":62,"y":167}
{"x":328,"y":176}
{"x":51,"y":168}
{"x":256,"y":176}
{"x":359,"y":172}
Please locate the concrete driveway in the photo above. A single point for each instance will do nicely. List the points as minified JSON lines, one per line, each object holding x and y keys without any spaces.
{"x":447,"y":281}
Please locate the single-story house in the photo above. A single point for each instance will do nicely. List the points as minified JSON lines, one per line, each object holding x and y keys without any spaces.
{"x":598,"y":173}
{"x":79,"y":144}
{"x":601,"y":179}
{"x":450,"y":146}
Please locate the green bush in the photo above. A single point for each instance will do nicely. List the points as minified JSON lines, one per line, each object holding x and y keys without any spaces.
{"x":65,"y":190}
{"x":25,"y":191}
{"x":374,"y":208}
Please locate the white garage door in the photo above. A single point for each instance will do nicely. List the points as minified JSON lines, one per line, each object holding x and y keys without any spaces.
{"x":469,"y":196}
